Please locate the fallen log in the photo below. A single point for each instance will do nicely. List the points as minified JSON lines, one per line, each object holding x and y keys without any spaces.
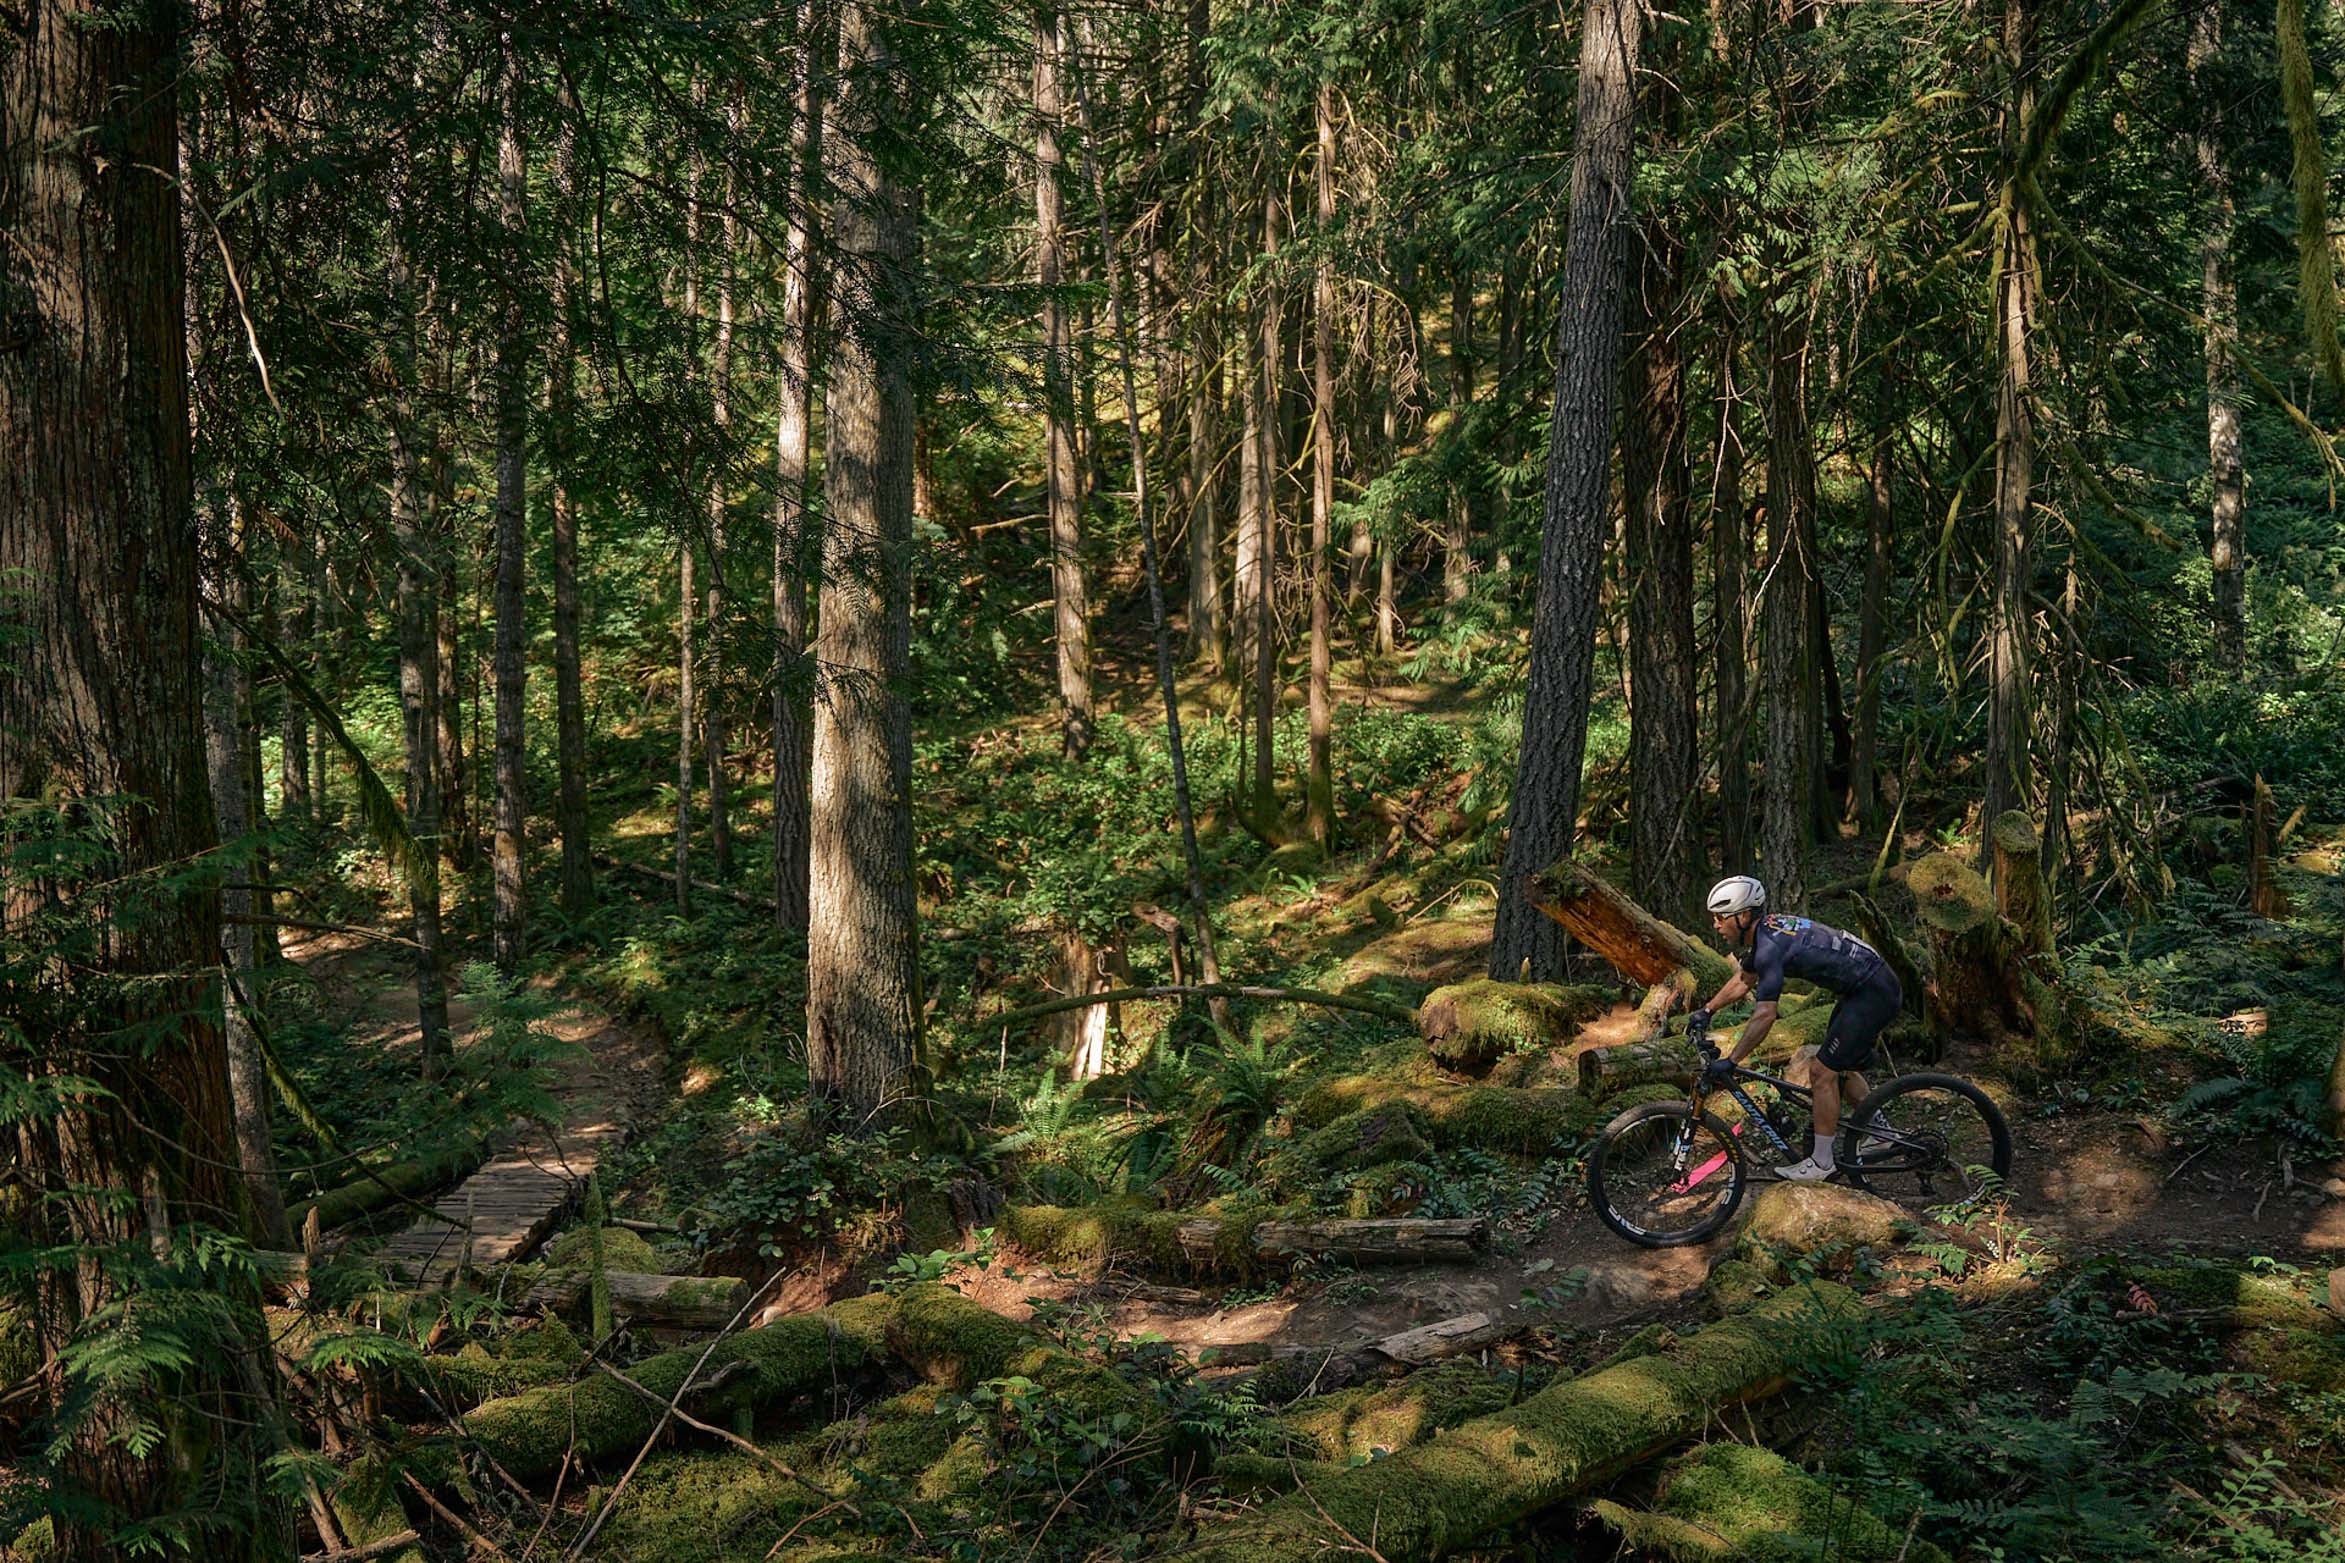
{"x":687,"y":1302}
{"x":1470,"y":1025}
{"x":1638,"y":945}
{"x":531,"y":1434}
{"x":1607,"y":1069}
{"x":756,"y":903}
{"x":1726,"y":1501}
{"x":1494,"y":1470}
{"x":1243,"y":1243}
{"x":1209,"y":990}
{"x":1377,"y":1240}
{"x":387,"y":1185}
{"x":1522,"y":1121}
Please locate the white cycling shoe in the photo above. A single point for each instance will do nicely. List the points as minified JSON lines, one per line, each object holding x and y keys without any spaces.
{"x":1804,"y":1171}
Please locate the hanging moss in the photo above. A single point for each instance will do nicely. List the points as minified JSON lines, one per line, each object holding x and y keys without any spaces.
{"x":1738,"y":1502}
{"x":1489,"y":1472}
{"x":1469,"y":1025}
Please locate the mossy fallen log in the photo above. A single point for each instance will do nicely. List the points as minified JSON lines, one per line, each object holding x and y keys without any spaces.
{"x":1484,"y":1117}
{"x":1491,"y":1471}
{"x":1370,"y":1137}
{"x":908,"y":1453}
{"x":1242,"y":1242}
{"x":1739,"y":1503}
{"x":683,"y":1302}
{"x":599,"y":1416}
{"x":408,"y":1179}
{"x":1470,"y":1025}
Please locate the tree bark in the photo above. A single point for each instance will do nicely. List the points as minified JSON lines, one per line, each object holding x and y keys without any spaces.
{"x":101,"y":732}
{"x":1730,"y":564}
{"x":2009,"y":758}
{"x":720,"y":385}
{"x":420,"y":714}
{"x":459,"y":837}
{"x":793,"y":683}
{"x":1664,"y":818}
{"x":2220,"y":295}
{"x":862,"y":1010}
{"x":1208,"y":631}
{"x":1259,"y":597}
{"x":1457,"y":526}
{"x":248,"y":1083}
{"x":577,"y":885}
{"x":1872,"y":635}
{"x":509,"y":910}
{"x":292,"y":719}
{"x":1063,"y":466}
{"x":1319,"y":784}
{"x":1543,"y":817}
{"x":1788,"y":697}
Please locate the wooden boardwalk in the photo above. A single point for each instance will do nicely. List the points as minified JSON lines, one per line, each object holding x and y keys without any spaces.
{"x":516,"y":1200}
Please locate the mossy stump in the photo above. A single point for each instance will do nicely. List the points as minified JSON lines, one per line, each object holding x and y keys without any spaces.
{"x":1470,"y":1025}
{"x":1506,"y":1119}
{"x":1977,"y":979}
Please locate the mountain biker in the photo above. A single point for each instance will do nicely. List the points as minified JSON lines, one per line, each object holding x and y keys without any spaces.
{"x":1781,"y":946}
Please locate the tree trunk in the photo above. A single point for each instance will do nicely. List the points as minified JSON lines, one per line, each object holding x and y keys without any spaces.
{"x":248,"y":1082}
{"x":862,"y":1007}
{"x":2221,"y":307}
{"x":793,"y":681}
{"x":1730,"y":566}
{"x":103,"y":706}
{"x":687,"y":729}
{"x":1261,"y":601}
{"x":1788,"y":698}
{"x":562,"y":408}
{"x":1872,"y":635}
{"x":1062,"y":464}
{"x":420,"y":714}
{"x":1457,"y":527}
{"x":720,"y":383}
{"x":510,"y":908}
{"x":2009,"y":758}
{"x":1319,"y":786}
{"x":292,"y":718}
{"x":459,"y":838}
{"x":1545,"y":810}
{"x":1208,"y":635}
{"x":1664,"y":819}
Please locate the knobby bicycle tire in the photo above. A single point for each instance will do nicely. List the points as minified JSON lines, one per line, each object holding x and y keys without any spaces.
{"x":1737,"y":1172}
{"x":1853,"y":1132}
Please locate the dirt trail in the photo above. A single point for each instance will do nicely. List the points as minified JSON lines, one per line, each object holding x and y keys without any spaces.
{"x":612,"y":1077}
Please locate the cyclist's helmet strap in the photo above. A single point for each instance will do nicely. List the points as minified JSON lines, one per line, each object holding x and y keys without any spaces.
{"x":1735,"y":894}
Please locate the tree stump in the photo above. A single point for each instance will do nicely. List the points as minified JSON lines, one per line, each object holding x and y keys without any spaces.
{"x":2020,"y":892}
{"x":1980,"y":984}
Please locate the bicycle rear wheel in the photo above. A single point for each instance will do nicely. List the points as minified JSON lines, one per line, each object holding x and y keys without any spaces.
{"x":1662,"y":1175}
{"x":1926,"y":1138}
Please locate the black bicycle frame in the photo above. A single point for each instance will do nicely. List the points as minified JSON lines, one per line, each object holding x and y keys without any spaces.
{"x":1751,"y":1109}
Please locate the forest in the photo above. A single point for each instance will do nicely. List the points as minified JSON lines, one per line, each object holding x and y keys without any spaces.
{"x":813,"y":780}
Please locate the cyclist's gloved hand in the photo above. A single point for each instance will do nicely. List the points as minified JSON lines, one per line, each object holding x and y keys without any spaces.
{"x":1718,"y":1073}
{"x":1697,"y":1024}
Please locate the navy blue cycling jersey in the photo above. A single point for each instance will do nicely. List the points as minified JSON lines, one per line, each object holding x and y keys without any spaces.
{"x":1785,"y":946}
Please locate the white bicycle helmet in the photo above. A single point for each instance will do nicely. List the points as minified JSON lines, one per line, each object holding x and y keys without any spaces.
{"x":1734,"y":894}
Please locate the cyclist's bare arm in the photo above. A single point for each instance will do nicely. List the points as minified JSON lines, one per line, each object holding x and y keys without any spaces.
{"x":1762,"y":1019}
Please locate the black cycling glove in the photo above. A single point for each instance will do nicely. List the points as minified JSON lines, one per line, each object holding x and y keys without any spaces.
{"x":1697,"y":1024}
{"x":1718,"y":1073}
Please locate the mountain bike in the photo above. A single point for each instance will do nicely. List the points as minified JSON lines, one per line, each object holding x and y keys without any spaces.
{"x":1670,"y":1173}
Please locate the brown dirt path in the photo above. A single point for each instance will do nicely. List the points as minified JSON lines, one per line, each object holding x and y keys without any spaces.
{"x":615,"y":1073}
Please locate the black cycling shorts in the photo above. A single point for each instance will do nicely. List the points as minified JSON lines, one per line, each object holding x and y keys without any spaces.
{"x":1859,"y":1019}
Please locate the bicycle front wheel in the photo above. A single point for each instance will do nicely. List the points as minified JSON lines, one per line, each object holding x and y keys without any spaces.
{"x":1926,"y":1138}
{"x":1663,"y":1175}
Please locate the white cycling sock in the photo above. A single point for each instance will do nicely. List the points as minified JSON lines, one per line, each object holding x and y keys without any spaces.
{"x":1823,"y":1153}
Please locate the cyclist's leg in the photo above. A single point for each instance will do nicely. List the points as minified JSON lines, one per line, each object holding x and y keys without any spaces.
{"x":1857,"y":1022}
